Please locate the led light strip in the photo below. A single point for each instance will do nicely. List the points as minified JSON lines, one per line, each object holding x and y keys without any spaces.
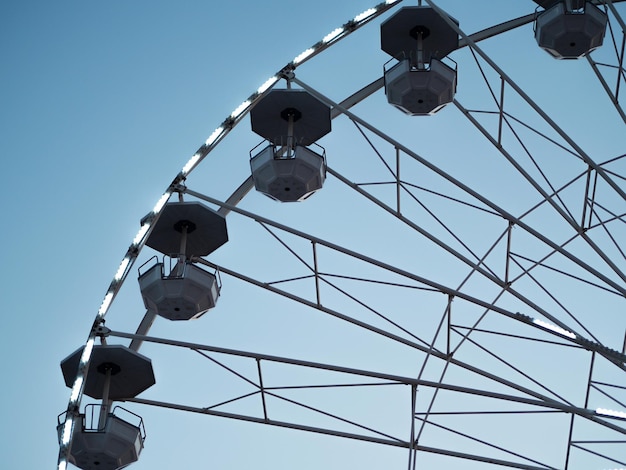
{"x":611,"y":413}
{"x":217,"y":135}
{"x":555,"y":328}
{"x":575,"y":337}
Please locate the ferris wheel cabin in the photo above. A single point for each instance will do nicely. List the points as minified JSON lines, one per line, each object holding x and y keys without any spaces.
{"x":288,"y":179}
{"x":109,"y":445}
{"x":104,"y":439}
{"x":420,"y":84}
{"x":287,"y":170}
{"x":182,"y":290}
{"x":570,"y":29}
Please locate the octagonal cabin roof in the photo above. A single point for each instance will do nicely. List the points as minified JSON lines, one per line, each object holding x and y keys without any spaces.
{"x":206,"y":229}
{"x":310,"y":117}
{"x":131,"y":372}
{"x":399,"y":33}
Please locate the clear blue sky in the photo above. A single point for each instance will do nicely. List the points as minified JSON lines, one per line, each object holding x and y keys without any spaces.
{"x":102,"y":103}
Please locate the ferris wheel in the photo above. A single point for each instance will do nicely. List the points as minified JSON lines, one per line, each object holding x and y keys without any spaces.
{"x":421,"y":265}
